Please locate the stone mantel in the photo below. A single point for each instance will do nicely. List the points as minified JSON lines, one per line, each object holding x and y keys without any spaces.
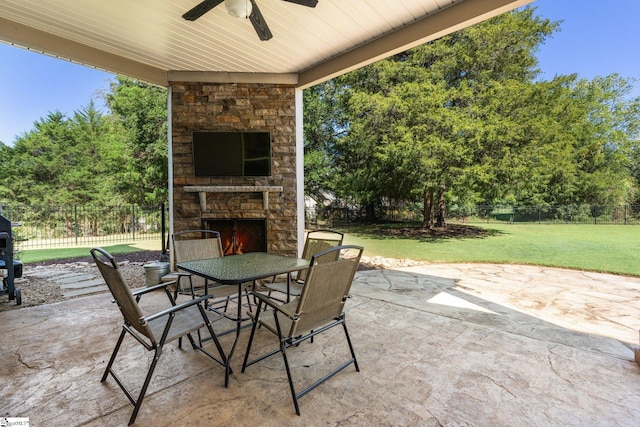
{"x":202,"y":191}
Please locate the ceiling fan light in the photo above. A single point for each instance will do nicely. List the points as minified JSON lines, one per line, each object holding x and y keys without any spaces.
{"x":238,"y":8}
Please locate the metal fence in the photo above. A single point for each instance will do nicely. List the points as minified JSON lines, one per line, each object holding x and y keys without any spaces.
{"x":565,"y":214}
{"x":48,"y":226}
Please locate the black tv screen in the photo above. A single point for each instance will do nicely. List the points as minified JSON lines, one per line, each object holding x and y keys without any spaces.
{"x":232,"y":153}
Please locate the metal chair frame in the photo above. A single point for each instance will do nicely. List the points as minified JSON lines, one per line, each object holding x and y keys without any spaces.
{"x":305,"y":317}
{"x":155,"y":330}
{"x":312,"y":245}
{"x":210,"y":245}
{"x":214,"y":250}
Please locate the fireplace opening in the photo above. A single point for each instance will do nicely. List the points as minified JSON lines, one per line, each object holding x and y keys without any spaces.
{"x":239,"y":236}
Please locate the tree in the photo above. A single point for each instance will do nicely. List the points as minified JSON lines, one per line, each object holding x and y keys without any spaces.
{"x":322,"y":127}
{"x":464,"y":119}
{"x":35,"y":160}
{"x":64,"y":161}
{"x":91,"y":157}
{"x":142,"y":111}
{"x":423,"y":124}
{"x":605,"y":139}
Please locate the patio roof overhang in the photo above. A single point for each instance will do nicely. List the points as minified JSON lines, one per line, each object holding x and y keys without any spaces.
{"x":150,"y":41}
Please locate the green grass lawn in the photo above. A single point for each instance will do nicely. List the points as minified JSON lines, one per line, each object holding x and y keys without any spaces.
{"x":36,"y":255}
{"x":603,"y":248}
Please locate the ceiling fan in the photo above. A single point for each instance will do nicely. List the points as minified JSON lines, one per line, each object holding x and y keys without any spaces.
{"x":242,"y":9}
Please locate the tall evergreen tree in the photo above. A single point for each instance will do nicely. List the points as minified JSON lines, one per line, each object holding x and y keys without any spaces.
{"x":65,"y":161}
{"x":464,"y":119}
{"x":142,"y":110}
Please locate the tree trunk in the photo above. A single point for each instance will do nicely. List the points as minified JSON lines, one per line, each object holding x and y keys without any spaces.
{"x":69,"y":227}
{"x":428,"y":208}
{"x":370,"y":212}
{"x":440,"y":220}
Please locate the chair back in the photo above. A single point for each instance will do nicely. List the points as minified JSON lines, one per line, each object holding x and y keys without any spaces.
{"x":191,"y":245}
{"x":318,"y":241}
{"x":326,"y":288}
{"x":121,"y":292}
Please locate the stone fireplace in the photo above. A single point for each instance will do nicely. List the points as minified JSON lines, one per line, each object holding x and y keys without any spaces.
{"x":205,"y":201}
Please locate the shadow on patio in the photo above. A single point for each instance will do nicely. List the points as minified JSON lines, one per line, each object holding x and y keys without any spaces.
{"x":437,"y":345}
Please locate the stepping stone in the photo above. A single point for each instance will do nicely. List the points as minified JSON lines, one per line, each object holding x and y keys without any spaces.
{"x":83,"y":284}
{"x":74,"y":278}
{"x":85,"y":291}
{"x":47,"y":274}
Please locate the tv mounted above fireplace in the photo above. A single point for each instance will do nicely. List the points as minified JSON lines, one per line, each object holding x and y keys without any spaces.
{"x":232,"y":153}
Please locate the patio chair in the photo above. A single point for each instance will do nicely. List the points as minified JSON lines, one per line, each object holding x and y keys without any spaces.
{"x":316,"y":241}
{"x":154,"y":330}
{"x":191,"y":245}
{"x":318,"y":309}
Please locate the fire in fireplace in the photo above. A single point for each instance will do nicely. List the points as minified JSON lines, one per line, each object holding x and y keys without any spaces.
{"x":239,"y":236}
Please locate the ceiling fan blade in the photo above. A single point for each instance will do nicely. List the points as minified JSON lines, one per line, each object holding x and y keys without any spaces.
{"x":259,"y":24}
{"x":309,"y":3}
{"x":201,"y":9}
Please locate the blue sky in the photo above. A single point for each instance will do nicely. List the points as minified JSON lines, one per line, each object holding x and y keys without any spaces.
{"x":32,"y":85}
{"x":596,"y":39}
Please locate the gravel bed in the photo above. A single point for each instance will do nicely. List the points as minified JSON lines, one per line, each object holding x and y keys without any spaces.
{"x":38,"y":289}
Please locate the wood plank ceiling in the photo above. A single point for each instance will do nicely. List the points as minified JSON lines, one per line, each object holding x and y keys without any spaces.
{"x":149,"y":39}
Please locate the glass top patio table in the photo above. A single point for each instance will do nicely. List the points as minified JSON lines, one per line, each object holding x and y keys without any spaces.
{"x":239,"y":269}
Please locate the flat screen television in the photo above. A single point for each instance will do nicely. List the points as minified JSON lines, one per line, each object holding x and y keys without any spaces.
{"x":232,"y":153}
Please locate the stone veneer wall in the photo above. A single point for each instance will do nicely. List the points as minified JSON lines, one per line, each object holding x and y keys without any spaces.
{"x":237,"y":107}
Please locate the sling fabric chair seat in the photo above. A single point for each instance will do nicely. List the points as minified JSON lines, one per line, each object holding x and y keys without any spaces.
{"x":154,"y":330}
{"x":316,"y":241}
{"x":318,"y":308}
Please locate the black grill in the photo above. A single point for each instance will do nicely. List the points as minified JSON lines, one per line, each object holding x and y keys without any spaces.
{"x":6,"y":259}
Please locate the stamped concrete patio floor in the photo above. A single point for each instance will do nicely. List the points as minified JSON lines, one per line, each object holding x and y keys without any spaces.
{"x":438,"y":345}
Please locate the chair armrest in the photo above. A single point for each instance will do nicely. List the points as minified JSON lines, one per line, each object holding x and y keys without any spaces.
{"x":177,"y":273}
{"x":143,"y":291}
{"x":271,"y":302}
{"x":175,"y":308}
{"x":274,"y":278}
